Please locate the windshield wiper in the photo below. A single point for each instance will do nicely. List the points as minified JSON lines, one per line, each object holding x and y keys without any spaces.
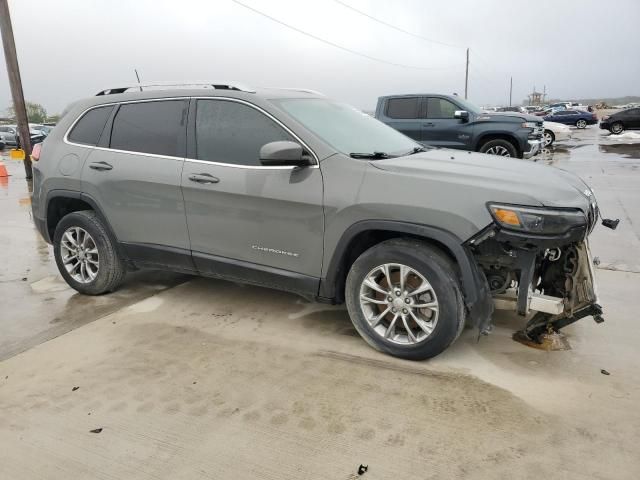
{"x":416,"y":150}
{"x":369,"y":155}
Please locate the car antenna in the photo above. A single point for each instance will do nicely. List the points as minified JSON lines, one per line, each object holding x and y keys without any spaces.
{"x":138,"y":77}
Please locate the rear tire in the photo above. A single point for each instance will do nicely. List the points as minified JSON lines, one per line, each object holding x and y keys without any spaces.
{"x":85,"y":254}
{"x":548,"y":138}
{"x":616,"y":128}
{"x":499,"y":147}
{"x":432,"y":328}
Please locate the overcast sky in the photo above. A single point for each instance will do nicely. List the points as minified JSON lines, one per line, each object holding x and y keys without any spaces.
{"x":70,"y":49}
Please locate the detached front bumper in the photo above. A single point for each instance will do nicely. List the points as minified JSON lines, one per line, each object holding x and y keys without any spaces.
{"x":534,"y":148}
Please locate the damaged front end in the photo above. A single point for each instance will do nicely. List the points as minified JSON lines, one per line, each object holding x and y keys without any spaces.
{"x":537,"y":260}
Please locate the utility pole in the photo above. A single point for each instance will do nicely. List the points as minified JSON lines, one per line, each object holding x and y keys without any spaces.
{"x":466,"y":77}
{"x":510,"y":90}
{"x":13,"y":71}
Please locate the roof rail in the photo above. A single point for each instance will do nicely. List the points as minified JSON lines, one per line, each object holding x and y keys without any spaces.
{"x":168,"y":85}
{"x":305,"y":90}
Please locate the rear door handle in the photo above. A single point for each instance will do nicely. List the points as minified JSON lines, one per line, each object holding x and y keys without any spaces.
{"x":203,"y":178}
{"x":428,"y":124}
{"x":100,"y":166}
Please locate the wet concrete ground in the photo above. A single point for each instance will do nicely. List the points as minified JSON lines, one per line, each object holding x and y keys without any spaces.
{"x":211,"y":379}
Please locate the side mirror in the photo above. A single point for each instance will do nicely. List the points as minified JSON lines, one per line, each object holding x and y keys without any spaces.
{"x":283,"y":153}
{"x":461,"y":114}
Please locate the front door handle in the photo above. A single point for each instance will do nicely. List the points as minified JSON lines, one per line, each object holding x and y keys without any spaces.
{"x":428,"y":124}
{"x":100,"y":166}
{"x":203,"y":178}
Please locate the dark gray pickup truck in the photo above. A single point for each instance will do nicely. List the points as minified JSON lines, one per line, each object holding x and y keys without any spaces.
{"x":452,"y":122}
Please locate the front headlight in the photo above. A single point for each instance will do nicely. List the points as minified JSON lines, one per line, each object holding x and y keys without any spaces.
{"x":529,"y":125}
{"x":544,"y":221}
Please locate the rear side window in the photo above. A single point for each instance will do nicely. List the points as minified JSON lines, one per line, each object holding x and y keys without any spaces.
{"x":440,"y":108}
{"x":151,"y":127}
{"x":231,"y":132}
{"x":405,"y":108}
{"x":89,"y":128}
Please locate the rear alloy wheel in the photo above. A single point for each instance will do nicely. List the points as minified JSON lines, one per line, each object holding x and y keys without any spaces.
{"x":581,"y":124}
{"x":548,"y":138}
{"x":499,"y":147}
{"x":616,"y":128}
{"x":404,"y":299}
{"x":85,"y":254}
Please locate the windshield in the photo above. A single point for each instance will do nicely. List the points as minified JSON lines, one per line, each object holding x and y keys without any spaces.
{"x":345,"y":128}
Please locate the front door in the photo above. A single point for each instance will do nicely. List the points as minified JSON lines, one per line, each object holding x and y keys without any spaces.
{"x":135,"y":179}
{"x":441,"y":129}
{"x":246,"y":220}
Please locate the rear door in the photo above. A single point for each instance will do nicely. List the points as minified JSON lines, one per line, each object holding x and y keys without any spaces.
{"x":440,"y":127}
{"x":244,"y":217}
{"x":134,"y":176}
{"x":405,"y":114}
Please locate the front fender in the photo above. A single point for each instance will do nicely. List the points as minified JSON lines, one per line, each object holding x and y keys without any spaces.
{"x":477,"y":296}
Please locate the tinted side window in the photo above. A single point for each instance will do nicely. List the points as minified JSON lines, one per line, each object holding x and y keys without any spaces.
{"x":440,"y":108}
{"x":403,"y":108}
{"x":231,"y":132}
{"x":151,"y":127}
{"x":88,"y":129}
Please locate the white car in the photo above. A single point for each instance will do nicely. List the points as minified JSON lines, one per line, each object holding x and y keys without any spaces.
{"x":555,"y":132}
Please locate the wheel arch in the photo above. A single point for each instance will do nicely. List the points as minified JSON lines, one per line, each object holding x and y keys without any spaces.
{"x":62,"y":202}
{"x":365,"y":234}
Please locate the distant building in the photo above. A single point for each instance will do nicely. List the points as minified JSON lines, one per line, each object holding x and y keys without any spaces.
{"x":536,"y":98}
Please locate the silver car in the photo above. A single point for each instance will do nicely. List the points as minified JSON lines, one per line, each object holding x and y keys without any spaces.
{"x":292,"y":190}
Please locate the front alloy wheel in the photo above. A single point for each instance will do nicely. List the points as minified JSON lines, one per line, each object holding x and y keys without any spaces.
{"x":399,"y":303}
{"x":548,"y":138}
{"x":617,"y":128}
{"x":498,"y":150}
{"x":404,"y":298}
{"x":581,"y":124}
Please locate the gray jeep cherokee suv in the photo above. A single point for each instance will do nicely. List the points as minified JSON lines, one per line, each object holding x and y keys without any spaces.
{"x":291,"y":190}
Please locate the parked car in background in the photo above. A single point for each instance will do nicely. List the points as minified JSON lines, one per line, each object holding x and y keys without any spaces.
{"x":256,"y":186}
{"x":555,"y":132}
{"x":452,"y":122}
{"x":40,"y":129}
{"x":8,"y":134}
{"x":618,"y":122}
{"x":509,"y":109}
{"x":577,"y":118}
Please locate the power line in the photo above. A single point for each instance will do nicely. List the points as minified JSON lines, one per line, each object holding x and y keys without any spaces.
{"x":396,"y":27}
{"x":335,"y":45}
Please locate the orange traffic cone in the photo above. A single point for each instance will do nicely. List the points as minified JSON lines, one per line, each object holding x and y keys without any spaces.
{"x":3,"y":170}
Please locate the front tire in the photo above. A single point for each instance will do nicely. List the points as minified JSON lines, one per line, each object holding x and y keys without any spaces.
{"x":85,"y":254}
{"x":499,"y":147}
{"x":616,"y":128}
{"x":404,"y":299}
{"x":548,"y":138}
{"x":581,"y":124}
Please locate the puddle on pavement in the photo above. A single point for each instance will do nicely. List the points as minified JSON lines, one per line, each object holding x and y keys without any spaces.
{"x":625,"y":150}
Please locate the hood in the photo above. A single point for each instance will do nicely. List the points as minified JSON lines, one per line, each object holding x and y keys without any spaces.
{"x":508,"y":117}
{"x":507,"y":180}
